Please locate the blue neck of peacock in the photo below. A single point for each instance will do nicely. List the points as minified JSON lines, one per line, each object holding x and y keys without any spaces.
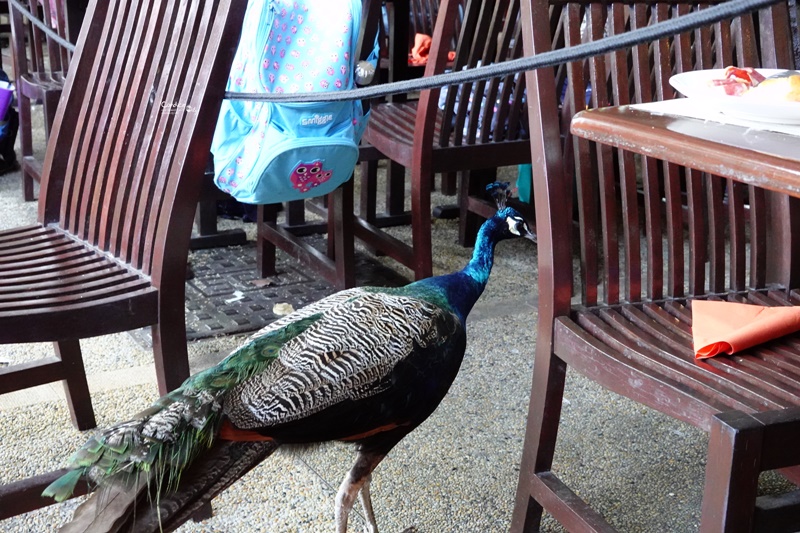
{"x":480,"y":266}
{"x":462,"y":289}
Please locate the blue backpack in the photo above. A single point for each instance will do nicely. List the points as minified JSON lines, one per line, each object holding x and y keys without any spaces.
{"x":268,"y":153}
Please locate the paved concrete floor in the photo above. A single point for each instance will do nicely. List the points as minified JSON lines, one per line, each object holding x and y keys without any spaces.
{"x":456,"y":473}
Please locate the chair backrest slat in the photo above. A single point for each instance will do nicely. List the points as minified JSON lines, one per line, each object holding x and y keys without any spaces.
{"x":621,"y":82}
{"x":758,"y":236}
{"x":76,"y":187}
{"x":465,"y":57}
{"x":509,"y":119}
{"x":715,"y":192}
{"x":51,"y":15}
{"x":84,"y":208}
{"x":480,"y":124}
{"x":736,"y":237}
{"x":576,"y":94}
{"x":698,"y":243}
{"x":653,"y":229}
{"x":673,"y":187}
{"x":641,"y":58}
{"x":166,"y":133}
{"x":138,"y":118}
{"x":423,"y":13}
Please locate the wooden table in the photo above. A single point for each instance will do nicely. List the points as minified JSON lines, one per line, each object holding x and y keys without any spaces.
{"x":757,"y":157}
{"x":743,"y":152}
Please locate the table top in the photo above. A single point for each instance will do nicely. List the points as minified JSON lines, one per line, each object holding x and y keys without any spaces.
{"x":758,"y":157}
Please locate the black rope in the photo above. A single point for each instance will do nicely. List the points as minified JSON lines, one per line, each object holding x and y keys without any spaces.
{"x":42,"y":26}
{"x":684,"y":23}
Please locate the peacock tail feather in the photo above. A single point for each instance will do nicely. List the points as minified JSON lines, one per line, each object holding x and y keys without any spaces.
{"x":163,"y":439}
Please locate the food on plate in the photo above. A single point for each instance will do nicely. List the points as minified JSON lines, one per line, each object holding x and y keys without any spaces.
{"x":738,"y":81}
{"x":783,"y":86}
{"x":749,"y":83}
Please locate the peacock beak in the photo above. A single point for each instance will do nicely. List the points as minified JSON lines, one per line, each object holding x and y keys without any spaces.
{"x":528,"y":234}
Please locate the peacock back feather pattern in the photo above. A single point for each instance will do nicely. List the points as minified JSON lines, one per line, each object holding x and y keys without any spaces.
{"x":345,"y":355}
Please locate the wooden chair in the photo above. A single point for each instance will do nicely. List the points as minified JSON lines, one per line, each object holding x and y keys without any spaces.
{"x":40,"y":67}
{"x":118,"y":192}
{"x":480,"y":127}
{"x":653,"y":237}
{"x":403,"y":20}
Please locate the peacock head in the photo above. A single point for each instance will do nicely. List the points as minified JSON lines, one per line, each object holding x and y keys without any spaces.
{"x":509,"y":223}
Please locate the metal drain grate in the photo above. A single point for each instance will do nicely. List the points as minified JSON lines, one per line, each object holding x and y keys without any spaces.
{"x":226,"y":296}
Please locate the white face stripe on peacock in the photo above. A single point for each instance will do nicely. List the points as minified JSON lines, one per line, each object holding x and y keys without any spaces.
{"x":515,"y":224}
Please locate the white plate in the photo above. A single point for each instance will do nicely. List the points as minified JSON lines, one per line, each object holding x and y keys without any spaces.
{"x":697,"y":85}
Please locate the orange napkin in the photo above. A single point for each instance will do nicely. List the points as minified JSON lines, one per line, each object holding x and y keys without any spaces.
{"x":726,"y":327}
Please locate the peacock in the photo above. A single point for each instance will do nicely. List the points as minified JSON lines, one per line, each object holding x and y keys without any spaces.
{"x":365,"y":365}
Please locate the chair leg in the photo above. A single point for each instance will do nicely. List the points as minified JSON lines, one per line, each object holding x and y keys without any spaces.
{"x":471,"y":184}
{"x":49,"y":107}
{"x":731,"y":486}
{"x":75,"y":385}
{"x":421,"y":225}
{"x":395,"y":188}
{"x":369,"y":190}
{"x":170,"y":351}
{"x":368,"y":205}
{"x":267,"y":214}
{"x":547,"y":392}
{"x":26,"y":145}
{"x":449,"y":183}
{"x":341,"y":232}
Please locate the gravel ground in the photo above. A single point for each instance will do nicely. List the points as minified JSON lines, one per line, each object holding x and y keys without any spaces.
{"x":456,"y":473}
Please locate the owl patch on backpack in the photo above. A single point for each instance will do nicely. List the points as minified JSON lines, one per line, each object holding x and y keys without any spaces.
{"x":306,"y":176}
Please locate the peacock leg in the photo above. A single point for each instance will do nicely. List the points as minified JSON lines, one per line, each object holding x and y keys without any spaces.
{"x":366,"y":502}
{"x":352,"y":483}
